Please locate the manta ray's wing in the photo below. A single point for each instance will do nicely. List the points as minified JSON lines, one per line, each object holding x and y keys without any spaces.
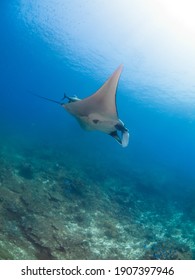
{"x":98,"y":111}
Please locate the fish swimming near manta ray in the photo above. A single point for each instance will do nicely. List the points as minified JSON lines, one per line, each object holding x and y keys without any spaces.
{"x":99,"y":111}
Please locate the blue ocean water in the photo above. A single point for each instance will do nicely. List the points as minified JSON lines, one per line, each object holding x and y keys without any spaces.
{"x":94,"y":193}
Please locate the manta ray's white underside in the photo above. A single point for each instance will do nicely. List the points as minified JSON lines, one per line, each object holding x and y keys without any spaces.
{"x":99,"y":112}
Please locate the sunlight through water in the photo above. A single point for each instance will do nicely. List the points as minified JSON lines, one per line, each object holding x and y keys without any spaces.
{"x":153,"y":39}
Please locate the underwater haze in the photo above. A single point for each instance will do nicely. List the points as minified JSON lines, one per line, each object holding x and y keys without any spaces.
{"x":71,"y":194}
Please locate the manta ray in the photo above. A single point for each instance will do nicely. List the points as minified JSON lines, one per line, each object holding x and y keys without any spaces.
{"x":99,"y":111}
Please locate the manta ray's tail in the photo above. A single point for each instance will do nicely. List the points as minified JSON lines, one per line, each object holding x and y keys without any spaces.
{"x":48,"y":99}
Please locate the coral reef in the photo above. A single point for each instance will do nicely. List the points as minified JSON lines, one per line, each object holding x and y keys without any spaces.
{"x":26,"y":171}
{"x":168,"y":250}
{"x":52,"y":210}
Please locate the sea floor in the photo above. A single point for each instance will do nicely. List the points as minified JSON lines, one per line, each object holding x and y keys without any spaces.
{"x":57,"y":209}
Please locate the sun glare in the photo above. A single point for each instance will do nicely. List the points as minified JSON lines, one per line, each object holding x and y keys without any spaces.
{"x":155,"y":39}
{"x":181,"y":11}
